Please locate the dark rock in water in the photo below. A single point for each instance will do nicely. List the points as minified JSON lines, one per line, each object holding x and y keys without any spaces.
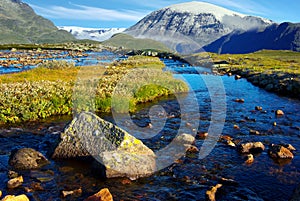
{"x":280,"y":152}
{"x":26,"y":159}
{"x":239,"y":100}
{"x":12,"y":174}
{"x":289,"y":147}
{"x":254,"y":132}
{"x":237,"y":77}
{"x":121,"y":154}
{"x":251,"y":147}
{"x":259,"y":108}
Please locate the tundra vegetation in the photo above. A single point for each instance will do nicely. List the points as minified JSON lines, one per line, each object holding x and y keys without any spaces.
{"x":48,"y":89}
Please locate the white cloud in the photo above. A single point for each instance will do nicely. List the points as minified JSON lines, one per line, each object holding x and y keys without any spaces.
{"x":81,"y":12}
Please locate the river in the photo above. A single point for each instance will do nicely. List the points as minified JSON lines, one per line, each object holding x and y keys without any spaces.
{"x":191,"y":176}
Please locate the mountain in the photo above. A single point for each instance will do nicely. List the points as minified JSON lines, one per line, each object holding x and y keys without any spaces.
{"x":187,"y":27}
{"x":98,"y":34}
{"x":129,"y":42}
{"x":285,"y":36}
{"x":20,"y":24}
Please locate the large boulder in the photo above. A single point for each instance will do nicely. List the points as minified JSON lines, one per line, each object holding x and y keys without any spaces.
{"x":26,"y":159}
{"x":121,"y":154}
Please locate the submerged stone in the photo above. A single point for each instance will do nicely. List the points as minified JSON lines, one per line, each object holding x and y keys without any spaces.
{"x":27,"y":158}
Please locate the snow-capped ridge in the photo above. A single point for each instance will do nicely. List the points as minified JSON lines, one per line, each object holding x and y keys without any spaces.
{"x":98,"y":34}
{"x":197,"y":8}
{"x":187,"y":27}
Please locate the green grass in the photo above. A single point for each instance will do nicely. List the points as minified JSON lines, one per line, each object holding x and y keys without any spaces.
{"x":46,"y":91}
{"x":265,"y":61}
{"x":129,"y":42}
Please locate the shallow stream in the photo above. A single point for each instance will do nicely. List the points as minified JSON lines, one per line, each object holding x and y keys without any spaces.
{"x":190,"y":177}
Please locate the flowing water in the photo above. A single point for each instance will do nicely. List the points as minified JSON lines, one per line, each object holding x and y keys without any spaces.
{"x":190,"y":177}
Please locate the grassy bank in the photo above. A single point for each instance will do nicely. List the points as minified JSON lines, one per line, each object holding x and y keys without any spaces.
{"x":276,"y":71}
{"x":46,"y":91}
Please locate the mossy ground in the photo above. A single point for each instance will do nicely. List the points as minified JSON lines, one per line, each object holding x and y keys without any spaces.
{"x":265,"y":61}
{"x":43,"y":92}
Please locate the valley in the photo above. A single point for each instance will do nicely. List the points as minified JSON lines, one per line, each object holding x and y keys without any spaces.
{"x":192,"y":101}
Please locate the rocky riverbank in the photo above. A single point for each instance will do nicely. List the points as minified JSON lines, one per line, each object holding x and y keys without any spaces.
{"x":274,"y":71}
{"x":281,"y":83}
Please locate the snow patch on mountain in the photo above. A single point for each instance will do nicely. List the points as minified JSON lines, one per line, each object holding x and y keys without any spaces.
{"x":197,"y":8}
{"x":98,"y":34}
{"x":187,"y":27}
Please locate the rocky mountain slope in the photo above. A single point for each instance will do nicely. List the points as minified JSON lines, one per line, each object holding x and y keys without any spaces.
{"x":187,"y":27}
{"x":285,"y":36}
{"x":20,"y":24}
{"x":98,"y":34}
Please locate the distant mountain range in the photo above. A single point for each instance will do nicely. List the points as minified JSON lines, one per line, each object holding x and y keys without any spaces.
{"x":98,"y":34}
{"x":197,"y":26}
{"x":20,"y":24}
{"x":187,"y":27}
{"x":285,"y":36}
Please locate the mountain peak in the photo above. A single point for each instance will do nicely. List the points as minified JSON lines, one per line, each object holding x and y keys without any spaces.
{"x":186,"y":27}
{"x":196,"y":7}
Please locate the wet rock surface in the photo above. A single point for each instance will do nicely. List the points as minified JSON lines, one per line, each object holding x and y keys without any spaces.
{"x":27,"y":158}
{"x":119,"y":152}
{"x":103,"y":195}
{"x":251,"y":147}
{"x":280,"y":152}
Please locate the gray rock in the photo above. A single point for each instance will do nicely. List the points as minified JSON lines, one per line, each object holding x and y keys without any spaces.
{"x":121,"y":154}
{"x":27,"y":158}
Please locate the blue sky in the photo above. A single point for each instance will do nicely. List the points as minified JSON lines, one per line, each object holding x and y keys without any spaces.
{"x":124,"y":13}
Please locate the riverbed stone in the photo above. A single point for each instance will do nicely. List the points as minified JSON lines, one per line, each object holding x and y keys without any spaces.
{"x":211,"y":194}
{"x":121,"y":154}
{"x":27,"y":158}
{"x":250,"y":159}
{"x":102,"y":195}
{"x":289,"y":147}
{"x":280,"y":152}
{"x":279,"y":112}
{"x":15,"y":198}
{"x":15,"y":182}
{"x":251,"y":147}
{"x":253,"y":132}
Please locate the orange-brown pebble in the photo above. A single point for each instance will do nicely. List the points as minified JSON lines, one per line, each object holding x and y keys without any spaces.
{"x":102,"y":195}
